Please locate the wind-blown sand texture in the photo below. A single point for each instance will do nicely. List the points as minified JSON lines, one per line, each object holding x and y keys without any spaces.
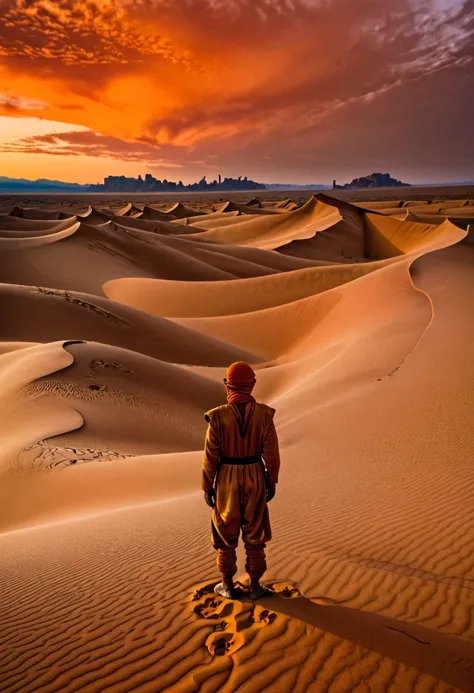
{"x":117,"y":325}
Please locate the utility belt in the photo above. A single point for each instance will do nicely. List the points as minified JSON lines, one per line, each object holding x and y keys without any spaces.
{"x":241,"y":460}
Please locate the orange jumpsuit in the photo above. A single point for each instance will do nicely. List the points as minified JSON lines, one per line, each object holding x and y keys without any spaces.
{"x":236,"y":431}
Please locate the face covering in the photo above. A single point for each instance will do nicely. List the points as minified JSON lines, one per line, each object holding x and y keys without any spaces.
{"x":238,"y":393}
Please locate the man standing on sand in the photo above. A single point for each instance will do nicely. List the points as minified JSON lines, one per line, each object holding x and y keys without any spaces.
{"x":234,"y":480}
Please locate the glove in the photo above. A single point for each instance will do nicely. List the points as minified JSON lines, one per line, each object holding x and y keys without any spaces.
{"x":210,"y":497}
{"x":271,"y":489}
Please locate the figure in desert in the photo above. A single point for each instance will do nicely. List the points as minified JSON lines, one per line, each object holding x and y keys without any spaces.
{"x":237,"y":483}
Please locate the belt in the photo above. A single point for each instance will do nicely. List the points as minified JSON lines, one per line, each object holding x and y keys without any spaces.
{"x":241,"y":460}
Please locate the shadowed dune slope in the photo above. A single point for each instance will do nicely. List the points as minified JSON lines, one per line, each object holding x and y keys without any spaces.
{"x":131,"y":403}
{"x":13,"y":242}
{"x":151,"y":213}
{"x":343,"y":242}
{"x":130,"y":210}
{"x":381,"y":206}
{"x":21,"y":423}
{"x":33,"y":227}
{"x":388,"y":237}
{"x":36,"y":213}
{"x":36,"y":314}
{"x":95,"y":217}
{"x":204,"y":299}
{"x":466,"y":212}
{"x":163,"y":227}
{"x":85,"y":258}
{"x":341,"y":205}
{"x":288,"y":205}
{"x":93,"y":255}
{"x":309,"y":322}
{"x":180,"y":211}
{"x":272,"y":231}
{"x":437,"y":219}
{"x":248,"y":209}
{"x":205,"y":219}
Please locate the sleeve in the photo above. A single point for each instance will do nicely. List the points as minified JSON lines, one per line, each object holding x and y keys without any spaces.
{"x":271,"y":452}
{"x":211,"y":456}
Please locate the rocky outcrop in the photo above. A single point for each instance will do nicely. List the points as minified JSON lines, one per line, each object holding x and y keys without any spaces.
{"x":375,"y":180}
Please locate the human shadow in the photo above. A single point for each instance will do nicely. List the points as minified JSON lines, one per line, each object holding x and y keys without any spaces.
{"x":443,"y":656}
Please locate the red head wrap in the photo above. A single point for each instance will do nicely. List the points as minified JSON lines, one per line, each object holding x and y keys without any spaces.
{"x":240,"y":381}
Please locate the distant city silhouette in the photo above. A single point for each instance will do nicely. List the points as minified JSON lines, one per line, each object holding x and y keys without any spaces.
{"x":151,"y":184}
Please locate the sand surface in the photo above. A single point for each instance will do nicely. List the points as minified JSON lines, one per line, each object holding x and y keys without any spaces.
{"x":119,"y":318}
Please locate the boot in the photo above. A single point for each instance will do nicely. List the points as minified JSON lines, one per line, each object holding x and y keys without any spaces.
{"x":225,"y":588}
{"x":257,"y":590}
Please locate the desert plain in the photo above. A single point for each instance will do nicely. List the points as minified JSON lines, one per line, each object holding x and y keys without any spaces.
{"x":119,"y":316}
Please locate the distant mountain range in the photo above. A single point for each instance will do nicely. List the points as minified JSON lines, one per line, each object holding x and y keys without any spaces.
{"x":40,"y":185}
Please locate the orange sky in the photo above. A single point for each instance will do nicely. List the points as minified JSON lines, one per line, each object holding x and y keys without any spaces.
{"x":279,"y":90}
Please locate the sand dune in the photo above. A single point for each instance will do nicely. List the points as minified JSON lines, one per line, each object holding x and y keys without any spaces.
{"x":105,"y":563}
{"x":388,"y":237}
{"x":288,"y":205}
{"x":86,"y":258}
{"x":342,"y":242}
{"x":132,"y":403}
{"x":230,"y":206}
{"x":273,"y":231}
{"x":464,"y":211}
{"x":156,"y":214}
{"x":95,"y":217}
{"x":34,"y":213}
{"x":206,"y":221}
{"x":33,"y":226}
{"x":205,"y":299}
{"x":314,"y":323}
{"x":179,"y":211}
{"x":164,"y":226}
{"x":462,"y":222}
{"x":129,"y":210}
{"x":16,"y":240}
{"x":59,"y":259}
{"x":44,"y":315}
{"x":382,"y":205}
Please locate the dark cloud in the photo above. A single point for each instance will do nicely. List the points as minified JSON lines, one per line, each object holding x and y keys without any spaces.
{"x":71,"y":107}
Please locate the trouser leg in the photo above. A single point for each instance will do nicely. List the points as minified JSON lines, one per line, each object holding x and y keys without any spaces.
{"x":227,"y":562}
{"x":225,"y":525}
{"x":256,"y":530}
{"x":256,"y":564}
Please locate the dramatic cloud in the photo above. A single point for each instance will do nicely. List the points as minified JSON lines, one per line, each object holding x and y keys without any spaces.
{"x":252,"y":84}
{"x":20,"y":103}
{"x":90,"y":144}
{"x":79,"y":32}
